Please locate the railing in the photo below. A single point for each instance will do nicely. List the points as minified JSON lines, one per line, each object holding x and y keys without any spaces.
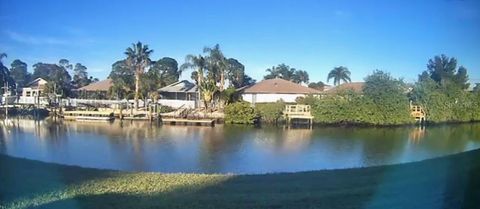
{"x":297,"y":110}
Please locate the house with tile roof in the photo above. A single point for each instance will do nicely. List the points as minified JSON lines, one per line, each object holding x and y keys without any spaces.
{"x":97,"y":90}
{"x":357,"y":87}
{"x":273,"y":90}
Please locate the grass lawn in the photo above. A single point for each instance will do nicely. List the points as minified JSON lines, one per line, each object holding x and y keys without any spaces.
{"x":448,"y":182}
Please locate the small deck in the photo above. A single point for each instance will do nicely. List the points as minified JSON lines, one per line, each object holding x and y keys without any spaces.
{"x":183,"y":121}
{"x":302,"y":112}
{"x":418,"y":113}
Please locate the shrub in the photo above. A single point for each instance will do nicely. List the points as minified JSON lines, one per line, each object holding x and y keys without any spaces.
{"x":270,"y":112}
{"x":240,"y":113}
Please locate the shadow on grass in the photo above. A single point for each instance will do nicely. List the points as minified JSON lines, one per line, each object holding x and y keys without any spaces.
{"x":448,"y":182}
{"x":20,"y":178}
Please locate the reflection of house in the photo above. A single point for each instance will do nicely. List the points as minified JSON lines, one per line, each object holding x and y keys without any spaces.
{"x":32,"y":93}
{"x":356,"y":87}
{"x":179,"y":94}
{"x":272,"y":90}
{"x":97,"y":90}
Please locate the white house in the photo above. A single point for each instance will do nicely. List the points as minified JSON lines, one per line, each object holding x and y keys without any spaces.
{"x":32,"y":92}
{"x":272,"y":90}
{"x":179,"y":94}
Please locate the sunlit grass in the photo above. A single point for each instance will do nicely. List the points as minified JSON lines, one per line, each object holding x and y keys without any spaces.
{"x":448,"y":182}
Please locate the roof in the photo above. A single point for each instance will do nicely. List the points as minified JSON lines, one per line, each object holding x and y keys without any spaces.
{"x":36,"y":83}
{"x":103,"y":85}
{"x":180,"y":86}
{"x":355,"y":86}
{"x":279,"y":86}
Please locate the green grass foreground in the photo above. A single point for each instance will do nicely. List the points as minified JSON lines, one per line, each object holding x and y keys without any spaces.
{"x":447,"y":182}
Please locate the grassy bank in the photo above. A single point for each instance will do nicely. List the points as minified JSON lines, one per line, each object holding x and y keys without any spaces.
{"x":448,"y":182}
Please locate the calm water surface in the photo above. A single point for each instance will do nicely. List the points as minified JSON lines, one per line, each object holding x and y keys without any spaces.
{"x":141,"y":146}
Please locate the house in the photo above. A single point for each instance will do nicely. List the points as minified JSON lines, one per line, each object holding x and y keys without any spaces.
{"x":34,"y":88}
{"x":33,"y":92}
{"x":179,"y":94}
{"x":272,"y":90}
{"x":356,"y":87}
{"x":97,"y":90}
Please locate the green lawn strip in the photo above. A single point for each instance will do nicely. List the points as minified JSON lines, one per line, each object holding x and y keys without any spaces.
{"x":451,"y":181}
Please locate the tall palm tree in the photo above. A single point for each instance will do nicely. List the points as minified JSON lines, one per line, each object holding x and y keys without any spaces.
{"x":219,"y":64}
{"x":195,"y":62}
{"x":2,"y":55}
{"x":339,"y":74}
{"x":138,"y":58}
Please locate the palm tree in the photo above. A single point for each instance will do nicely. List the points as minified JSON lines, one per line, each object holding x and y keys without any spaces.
{"x":339,"y":74}
{"x":218,"y":64}
{"x":208,"y":90}
{"x":195,"y":62}
{"x":138,"y":58}
{"x":3,"y":55}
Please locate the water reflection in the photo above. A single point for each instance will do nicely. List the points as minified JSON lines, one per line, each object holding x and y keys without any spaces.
{"x":143,"y":146}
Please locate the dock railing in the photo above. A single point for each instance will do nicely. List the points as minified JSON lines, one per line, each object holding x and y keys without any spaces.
{"x":298,"y":112}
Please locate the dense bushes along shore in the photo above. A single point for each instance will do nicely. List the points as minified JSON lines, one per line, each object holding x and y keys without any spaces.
{"x":384,"y":101}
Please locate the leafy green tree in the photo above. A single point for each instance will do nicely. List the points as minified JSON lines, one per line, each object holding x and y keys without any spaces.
{"x":317,"y":85}
{"x":138,"y":59}
{"x":167,"y":71}
{"x":57,"y":77}
{"x":339,"y":74}
{"x":443,"y":69}
{"x":287,"y":73}
{"x":5,"y":74}
{"x":389,"y":96}
{"x":123,"y":80}
{"x":80,"y":76}
{"x":19,"y":73}
{"x":236,"y":74}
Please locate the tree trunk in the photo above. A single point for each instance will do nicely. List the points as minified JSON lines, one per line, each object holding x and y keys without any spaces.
{"x":222,"y":80}
{"x":137,"y":89}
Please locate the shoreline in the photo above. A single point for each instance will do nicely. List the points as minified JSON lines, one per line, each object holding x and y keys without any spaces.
{"x":30,"y":183}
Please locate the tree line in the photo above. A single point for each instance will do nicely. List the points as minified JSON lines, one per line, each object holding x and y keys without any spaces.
{"x":56,"y":74}
{"x":442,"y":90}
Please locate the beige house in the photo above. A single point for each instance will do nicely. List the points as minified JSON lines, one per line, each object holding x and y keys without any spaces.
{"x":97,"y":90}
{"x":34,"y":88}
{"x":273,"y":90}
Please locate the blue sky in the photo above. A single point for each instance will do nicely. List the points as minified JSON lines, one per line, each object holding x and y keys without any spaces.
{"x":395,"y":36}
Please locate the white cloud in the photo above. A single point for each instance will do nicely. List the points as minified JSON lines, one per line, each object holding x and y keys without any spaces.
{"x":40,"y":40}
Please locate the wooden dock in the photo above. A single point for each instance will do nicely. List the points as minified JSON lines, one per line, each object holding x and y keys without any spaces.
{"x":301,"y":112}
{"x":183,"y":121}
{"x":418,"y":113}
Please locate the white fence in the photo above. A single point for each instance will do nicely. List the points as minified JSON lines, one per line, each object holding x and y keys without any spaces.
{"x":177,"y":103}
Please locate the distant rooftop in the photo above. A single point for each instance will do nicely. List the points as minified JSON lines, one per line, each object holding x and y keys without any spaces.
{"x":103,"y":85}
{"x":355,"y":86}
{"x":279,"y":86}
{"x":180,"y":86}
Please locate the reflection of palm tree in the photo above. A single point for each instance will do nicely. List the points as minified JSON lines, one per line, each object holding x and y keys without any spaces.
{"x":339,"y":74}
{"x":138,"y":58}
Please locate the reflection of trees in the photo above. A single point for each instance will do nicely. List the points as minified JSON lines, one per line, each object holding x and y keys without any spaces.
{"x":219,"y":143}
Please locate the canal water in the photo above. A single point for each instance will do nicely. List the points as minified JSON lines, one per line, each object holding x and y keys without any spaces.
{"x":142,"y":146}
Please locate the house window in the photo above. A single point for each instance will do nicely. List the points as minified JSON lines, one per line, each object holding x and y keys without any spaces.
{"x":27,"y":93}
